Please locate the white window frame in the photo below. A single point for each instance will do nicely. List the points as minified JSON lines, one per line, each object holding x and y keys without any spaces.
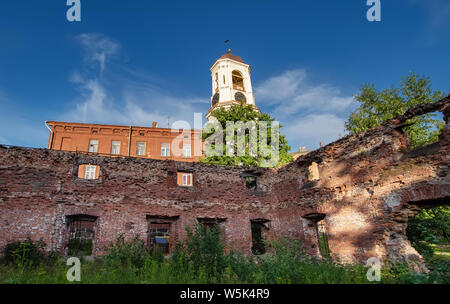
{"x":165,"y":149}
{"x":93,"y":146}
{"x":187,"y":151}
{"x":186,"y":179}
{"x":90,"y":172}
{"x":143,"y":145}
{"x":114,"y":145}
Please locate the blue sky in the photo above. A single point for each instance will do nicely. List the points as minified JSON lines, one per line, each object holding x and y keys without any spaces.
{"x":134,"y":62}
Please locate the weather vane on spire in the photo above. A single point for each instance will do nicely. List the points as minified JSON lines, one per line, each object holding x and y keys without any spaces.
{"x":227,"y":42}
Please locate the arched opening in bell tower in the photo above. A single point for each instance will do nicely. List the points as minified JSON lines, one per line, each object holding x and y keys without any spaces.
{"x":238,"y":80}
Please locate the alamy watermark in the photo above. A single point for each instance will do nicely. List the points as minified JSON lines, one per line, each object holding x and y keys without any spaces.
{"x":374,"y":12}
{"x":74,"y":11}
{"x":245,"y":139}
{"x":258,"y":139}
{"x":74,"y":272}
{"x":374,"y":272}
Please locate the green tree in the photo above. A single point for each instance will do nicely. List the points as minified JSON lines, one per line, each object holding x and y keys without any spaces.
{"x":378,"y":106}
{"x":245,"y":113}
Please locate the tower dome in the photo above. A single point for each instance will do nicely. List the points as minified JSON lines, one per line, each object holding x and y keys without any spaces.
{"x":229,"y":55}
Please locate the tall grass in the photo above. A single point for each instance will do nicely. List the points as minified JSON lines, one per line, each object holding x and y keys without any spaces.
{"x":201,"y":259}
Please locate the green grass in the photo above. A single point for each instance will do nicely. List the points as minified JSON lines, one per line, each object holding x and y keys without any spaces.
{"x":282,"y":267}
{"x":439,"y":261}
{"x":201,"y":259}
{"x":270,"y":270}
{"x":442,"y":252}
{"x":428,"y":232}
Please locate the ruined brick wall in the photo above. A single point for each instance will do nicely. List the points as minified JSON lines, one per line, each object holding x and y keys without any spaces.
{"x":368,"y":187}
{"x":40,"y":189}
{"x":362,"y":187}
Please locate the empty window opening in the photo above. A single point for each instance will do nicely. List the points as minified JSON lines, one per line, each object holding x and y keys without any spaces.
{"x":429,"y":231}
{"x":185,"y":179}
{"x":323,"y":239}
{"x":165,"y":149}
{"x":93,"y":146}
{"x":313,"y":172}
{"x":115,"y":147}
{"x":251,"y":182}
{"x":160,"y":234}
{"x":213,"y":224}
{"x":160,"y":238}
{"x":81,"y":230}
{"x":141,"y":148}
{"x":208,"y":223}
{"x":258,"y":230}
{"x":187,"y":150}
{"x":318,"y":220}
{"x":90,"y":172}
{"x":238,"y":80}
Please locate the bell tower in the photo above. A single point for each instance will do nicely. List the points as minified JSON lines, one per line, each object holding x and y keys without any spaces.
{"x":231,"y":83}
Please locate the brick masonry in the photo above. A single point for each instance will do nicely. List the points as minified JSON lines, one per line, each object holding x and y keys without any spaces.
{"x":365,"y":185}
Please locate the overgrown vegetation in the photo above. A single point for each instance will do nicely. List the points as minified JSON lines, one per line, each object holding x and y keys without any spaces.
{"x":429,"y":233}
{"x":377,"y":107}
{"x":200,"y":259}
{"x":245,"y":113}
{"x":79,"y":247}
{"x":26,"y":253}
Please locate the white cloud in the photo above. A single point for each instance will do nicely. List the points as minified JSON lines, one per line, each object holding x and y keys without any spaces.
{"x":310,"y":113}
{"x":134,"y":107}
{"x":135,"y":98}
{"x":93,"y":105}
{"x":98,"y":48}
{"x":281,"y":87}
{"x":291,"y":92}
{"x":315,"y":128}
{"x":150,"y":104}
{"x":321,"y":97}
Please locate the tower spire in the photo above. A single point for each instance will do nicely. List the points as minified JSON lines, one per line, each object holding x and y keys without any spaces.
{"x":227,"y":42}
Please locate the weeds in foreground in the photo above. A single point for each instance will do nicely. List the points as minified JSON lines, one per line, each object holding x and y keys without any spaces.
{"x":201,"y":259}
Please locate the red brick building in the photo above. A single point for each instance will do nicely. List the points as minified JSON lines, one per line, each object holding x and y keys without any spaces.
{"x":128,"y":141}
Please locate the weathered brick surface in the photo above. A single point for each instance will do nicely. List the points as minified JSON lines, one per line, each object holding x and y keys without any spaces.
{"x":367,"y":188}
